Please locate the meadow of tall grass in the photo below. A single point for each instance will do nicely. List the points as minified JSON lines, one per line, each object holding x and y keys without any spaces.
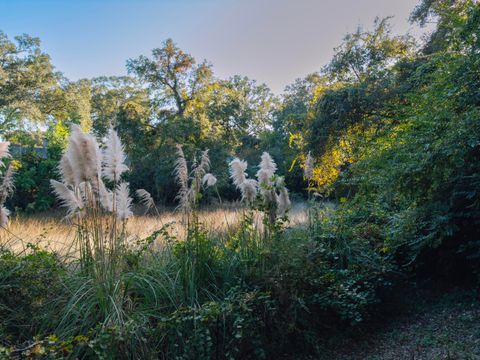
{"x":49,"y":231}
{"x":236,"y":281}
{"x":115,"y":276}
{"x":112,"y":275}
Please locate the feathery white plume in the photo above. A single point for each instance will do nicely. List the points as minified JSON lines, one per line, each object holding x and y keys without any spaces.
{"x":247,"y":187}
{"x":4,"y":213}
{"x":86,"y":191}
{"x":7,"y":186}
{"x":280,"y":181}
{"x":123,"y":201}
{"x":199,"y":171}
{"x":66,"y":169}
{"x":113,"y":157}
{"x":145,"y":199}
{"x":4,"y":153}
{"x":283,"y":199}
{"x":269,"y":196}
{"x":204,"y":165}
{"x":265,"y":176}
{"x":209,"y":179}
{"x":267,"y":168}
{"x":71,"y":200}
{"x":84,"y":155}
{"x":249,"y":190}
{"x":181,"y":173}
{"x":308,"y":167}
{"x":237,"y":171}
{"x":106,"y":197}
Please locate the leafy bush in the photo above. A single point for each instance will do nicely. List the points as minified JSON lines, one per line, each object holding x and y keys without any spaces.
{"x":28,"y":286}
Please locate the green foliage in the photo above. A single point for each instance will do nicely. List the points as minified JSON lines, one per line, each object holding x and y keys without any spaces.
{"x":232,"y":328}
{"x":172,"y":75}
{"x":416,"y":182}
{"x":199,"y":263}
{"x":26,"y":77}
{"x":449,"y":16}
{"x":112,"y":96}
{"x":245,"y":303}
{"x":32,"y":183}
{"x":32,"y":92}
{"x":34,"y":166}
{"x":28,"y":285}
{"x":368,"y":55}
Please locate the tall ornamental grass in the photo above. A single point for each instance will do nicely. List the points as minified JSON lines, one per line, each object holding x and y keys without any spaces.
{"x":196,"y":255}
{"x":98,"y":211}
{"x":267,"y":195}
{"x":98,"y":206}
{"x":6,"y":182}
{"x":127,"y":287}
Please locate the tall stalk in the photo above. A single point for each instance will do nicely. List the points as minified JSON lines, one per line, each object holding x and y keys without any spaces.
{"x":98,"y":213}
{"x":6,"y":183}
{"x":193,"y":259}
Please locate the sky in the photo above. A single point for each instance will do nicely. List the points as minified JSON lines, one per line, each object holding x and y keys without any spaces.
{"x":272,"y":41}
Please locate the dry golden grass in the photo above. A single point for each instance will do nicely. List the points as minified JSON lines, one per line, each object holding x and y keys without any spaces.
{"x":50,"y":232}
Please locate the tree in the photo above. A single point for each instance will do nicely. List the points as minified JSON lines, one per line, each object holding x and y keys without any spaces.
{"x":27,"y":77}
{"x":240,"y":106}
{"x":357,"y":96}
{"x":172,"y":76}
{"x":297,"y":101}
{"x":448,"y":15}
{"x":31,"y":92}
{"x":368,"y":54}
{"x":112,"y":95}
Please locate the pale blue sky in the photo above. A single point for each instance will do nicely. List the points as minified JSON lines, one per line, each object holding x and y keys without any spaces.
{"x":272,"y":41}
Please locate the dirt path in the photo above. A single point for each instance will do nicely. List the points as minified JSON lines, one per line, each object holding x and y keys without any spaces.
{"x":444,"y":328}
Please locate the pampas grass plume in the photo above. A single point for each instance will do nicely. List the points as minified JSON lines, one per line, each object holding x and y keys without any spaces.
{"x":181,"y":174}
{"x":4,"y":153}
{"x":7,"y":186}
{"x":264,"y":177}
{"x":4,"y":213}
{"x":204,"y":165}
{"x":113,"y":157}
{"x":106,"y":197}
{"x":237,"y":171}
{"x":247,"y":187}
{"x":249,"y":190}
{"x":72,"y":201}
{"x":267,"y":168}
{"x":209,"y":180}
{"x":123,"y":201}
{"x":308,"y":167}
{"x":145,"y":199}
{"x":85,"y":156}
{"x":66,"y":169}
{"x":283,"y":199}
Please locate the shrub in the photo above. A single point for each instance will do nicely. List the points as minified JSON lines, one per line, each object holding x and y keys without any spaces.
{"x":29,"y":285}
